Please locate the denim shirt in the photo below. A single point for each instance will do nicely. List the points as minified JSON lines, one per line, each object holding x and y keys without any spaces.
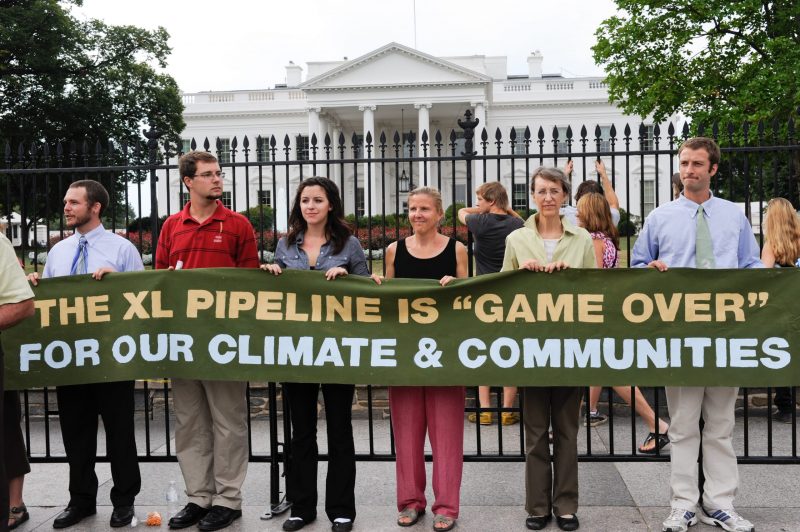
{"x":351,"y":257}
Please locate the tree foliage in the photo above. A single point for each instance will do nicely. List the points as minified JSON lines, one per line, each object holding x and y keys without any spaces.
{"x":710,"y":60}
{"x":64,"y":79}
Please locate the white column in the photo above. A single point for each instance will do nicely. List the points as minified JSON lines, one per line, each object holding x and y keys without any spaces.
{"x":478,"y":176}
{"x":371,"y":199}
{"x":423,"y":124}
{"x":313,"y":128}
{"x":323,"y":130}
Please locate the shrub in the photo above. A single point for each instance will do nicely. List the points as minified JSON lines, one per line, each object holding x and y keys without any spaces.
{"x":253,"y":214}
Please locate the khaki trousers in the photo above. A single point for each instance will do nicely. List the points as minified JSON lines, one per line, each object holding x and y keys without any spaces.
{"x":211,"y":440}
{"x":551,"y":488}
{"x":716,"y":405}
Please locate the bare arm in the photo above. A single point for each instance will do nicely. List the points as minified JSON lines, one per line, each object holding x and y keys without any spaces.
{"x":768,"y":256}
{"x":608,"y":188}
{"x":466,"y":211}
{"x":599,"y":248}
{"x":13,"y":313}
{"x":461,"y":265}
{"x":388,"y":261}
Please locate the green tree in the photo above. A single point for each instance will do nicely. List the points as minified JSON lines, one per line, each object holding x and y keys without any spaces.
{"x":710,"y":59}
{"x":84,"y":82}
{"x":66,"y":79}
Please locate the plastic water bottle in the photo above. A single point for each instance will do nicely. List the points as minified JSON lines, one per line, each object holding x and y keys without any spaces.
{"x":171,"y":497}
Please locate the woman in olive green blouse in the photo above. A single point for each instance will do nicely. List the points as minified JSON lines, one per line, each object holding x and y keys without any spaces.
{"x":549,"y":243}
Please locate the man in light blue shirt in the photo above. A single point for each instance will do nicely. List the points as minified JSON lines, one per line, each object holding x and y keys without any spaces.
{"x":92,"y":249}
{"x":698,"y":230}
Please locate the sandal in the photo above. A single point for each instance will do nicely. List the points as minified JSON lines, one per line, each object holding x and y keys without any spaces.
{"x":662,"y":442}
{"x":448,"y":522}
{"x":412,"y":514}
{"x":17,"y":515}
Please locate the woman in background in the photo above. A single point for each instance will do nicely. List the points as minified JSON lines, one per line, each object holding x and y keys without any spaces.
{"x":594,"y":215}
{"x":781,"y":250}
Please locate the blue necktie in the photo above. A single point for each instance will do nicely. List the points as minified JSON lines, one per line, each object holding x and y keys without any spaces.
{"x":81,"y":260}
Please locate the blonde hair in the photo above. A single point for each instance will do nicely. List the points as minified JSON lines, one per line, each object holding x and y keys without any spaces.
{"x":595,"y":216}
{"x":432,"y":193}
{"x":782,"y":231}
{"x":494,"y":191}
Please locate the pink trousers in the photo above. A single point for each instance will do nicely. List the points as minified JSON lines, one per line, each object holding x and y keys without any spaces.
{"x":439,"y":410}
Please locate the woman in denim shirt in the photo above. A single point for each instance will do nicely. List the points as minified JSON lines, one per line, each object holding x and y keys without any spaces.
{"x":320,"y":239}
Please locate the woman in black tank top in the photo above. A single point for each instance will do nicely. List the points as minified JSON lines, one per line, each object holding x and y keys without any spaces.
{"x":437,"y":410}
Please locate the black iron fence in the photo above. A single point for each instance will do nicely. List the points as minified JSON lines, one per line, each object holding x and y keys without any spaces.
{"x":760,"y":161}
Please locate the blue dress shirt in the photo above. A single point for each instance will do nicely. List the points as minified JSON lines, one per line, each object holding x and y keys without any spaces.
{"x":105,"y":250}
{"x":351,"y":257}
{"x":669,"y":235}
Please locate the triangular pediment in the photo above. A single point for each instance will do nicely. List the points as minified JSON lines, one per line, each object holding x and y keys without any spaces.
{"x":394,"y":65}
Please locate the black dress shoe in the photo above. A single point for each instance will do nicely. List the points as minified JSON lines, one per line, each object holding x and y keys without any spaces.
{"x":342,"y":526}
{"x":293,"y":523}
{"x":121,"y":516}
{"x":71,"y":516}
{"x":537,"y":522}
{"x":567,"y":523}
{"x":190,"y":515}
{"x":219,"y":517}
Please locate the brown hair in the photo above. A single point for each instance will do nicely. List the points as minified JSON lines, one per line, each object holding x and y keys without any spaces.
{"x":595,"y":216}
{"x":336,"y":228}
{"x":554,"y":175}
{"x":187,"y":165}
{"x":494,"y":191}
{"x":703,"y":143}
{"x":782,"y":231}
{"x":428,"y":191}
{"x":677,"y":185}
{"x":95,"y":193}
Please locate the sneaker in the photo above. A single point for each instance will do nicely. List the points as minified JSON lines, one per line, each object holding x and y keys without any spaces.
{"x":486,"y":418}
{"x":509,"y":418}
{"x":727,"y":520}
{"x":783,"y":416}
{"x":595,"y":418}
{"x":679,"y":520}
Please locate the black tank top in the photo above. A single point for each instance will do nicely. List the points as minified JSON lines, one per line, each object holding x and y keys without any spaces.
{"x":408,"y":266}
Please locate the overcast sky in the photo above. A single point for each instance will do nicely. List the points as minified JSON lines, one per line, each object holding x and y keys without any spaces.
{"x":245,"y":44}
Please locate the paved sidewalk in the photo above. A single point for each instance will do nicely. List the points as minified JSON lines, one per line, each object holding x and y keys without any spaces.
{"x":622,"y":496}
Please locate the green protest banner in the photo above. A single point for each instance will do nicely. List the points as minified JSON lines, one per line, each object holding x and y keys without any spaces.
{"x":576,"y":327}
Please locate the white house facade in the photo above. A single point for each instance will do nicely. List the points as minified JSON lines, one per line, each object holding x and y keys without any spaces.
{"x":397,"y":88}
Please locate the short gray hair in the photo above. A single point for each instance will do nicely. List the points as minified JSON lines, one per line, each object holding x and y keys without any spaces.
{"x":554,"y":175}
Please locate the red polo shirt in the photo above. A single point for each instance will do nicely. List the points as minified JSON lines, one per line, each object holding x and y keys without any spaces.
{"x":226,"y":239}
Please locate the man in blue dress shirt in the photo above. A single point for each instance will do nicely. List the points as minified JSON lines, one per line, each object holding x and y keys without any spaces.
{"x":92,"y":249}
{"x":698,"y":230}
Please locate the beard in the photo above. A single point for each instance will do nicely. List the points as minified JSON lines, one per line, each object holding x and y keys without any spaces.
{"x":214,"y":197}
{"x":78,"y":221}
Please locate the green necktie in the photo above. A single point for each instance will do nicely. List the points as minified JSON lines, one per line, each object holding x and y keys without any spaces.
{"x":703,"y":248}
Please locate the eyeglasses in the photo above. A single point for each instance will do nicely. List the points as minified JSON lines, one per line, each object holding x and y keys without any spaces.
{"x":210,"y":175}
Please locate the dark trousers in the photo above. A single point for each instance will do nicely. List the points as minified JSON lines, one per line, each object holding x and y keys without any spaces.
{"x":79,"y":407}
{"x":15,"y":457}
{"x":301,"y":478}
{"x":551,"y":487}
{"x":783,"y":399}
{"x":3,"y":477}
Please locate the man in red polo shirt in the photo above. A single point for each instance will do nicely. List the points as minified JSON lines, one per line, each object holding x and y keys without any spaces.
{"x":211,"y":416}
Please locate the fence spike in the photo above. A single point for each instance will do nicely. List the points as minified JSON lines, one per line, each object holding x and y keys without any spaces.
{"x":206,"y":145}
{"x":715,"y":129}
{"x":368,"y":138}
{"x":484,"y":136}
{"x":512,"y":135}
{"x":20,"y":152}
{"x":745,"y":129}
{"x":46,"y":151}
{"x":313,"y":140}
{"x":761,"y":128}
{"x":424,"y":136}
{"x":731,"y":129}
{"x":701,"y":129}
{"x":656,"y":130}
{"x":569,"y":133}
{"x":597,"y":131}
{"x":286,"y":141}
{"x":396,"y":138}
{"x":612,"y":133}
{"x":453,"y":136}
{"x":327,"y":140}
{"x":685,"y":131}
{"x":527,"y":134}
{"x":438,"y":137}
{"x":627,"y":131}
{"x":555,"y":133}
{"x":272,"y":142}
{"x":540,"y":134}
{"x":790,"y":127}
{"x":354,"y":139}
{"x":671,"y":129}
{"x":498,"y":135}
{"x":584,"y":133}
{"x":642,"y":131}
